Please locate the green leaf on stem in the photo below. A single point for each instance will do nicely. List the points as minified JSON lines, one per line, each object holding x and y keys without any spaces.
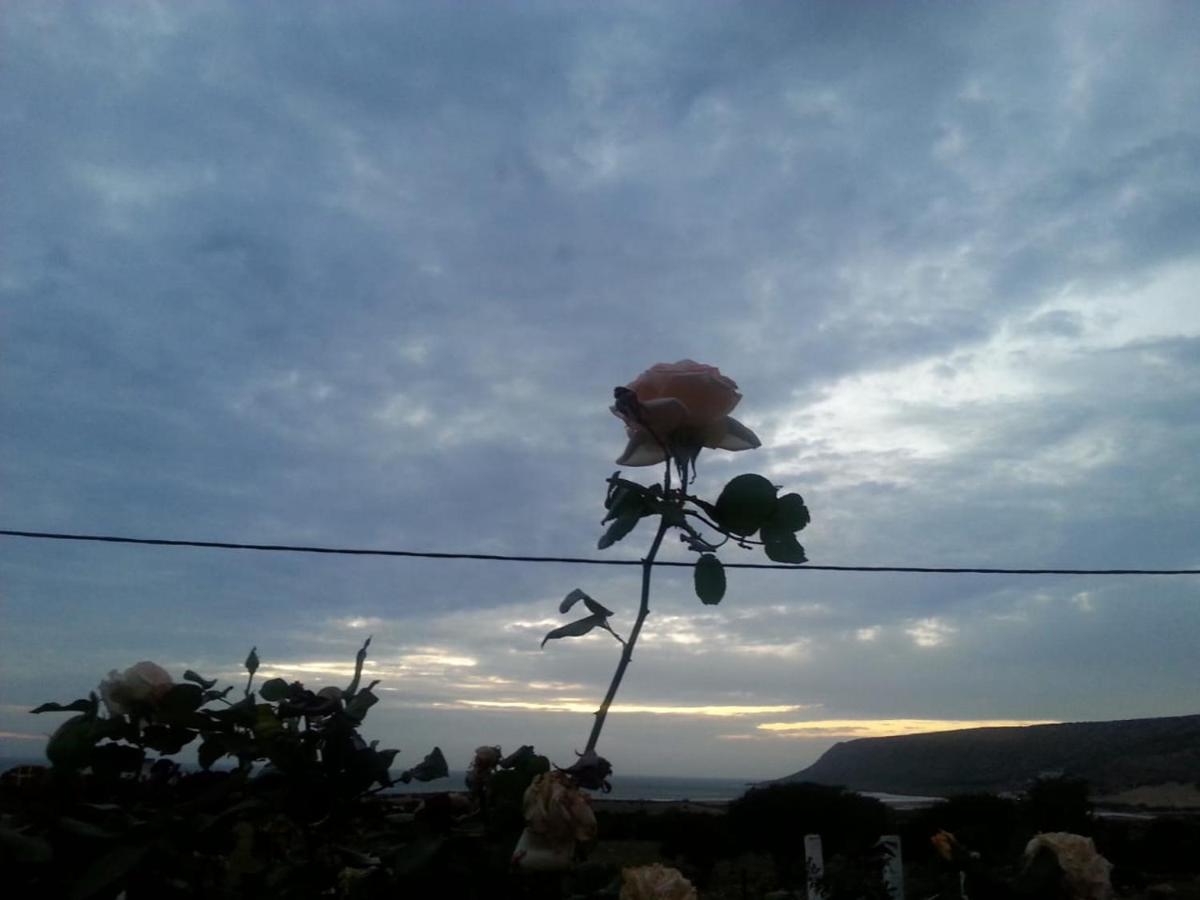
{"x":575,"y":596}
{"x":273,"y":689}
{"x":781,"y":545}
{"x":431,"y":767}
{"x":266,"y":723}
{"x":625,"y":499}
{"x":791,"y":513}
{"x":361,"y":702}
{"x":74,"y":706}
{"x":746,"y":502}
{"x":181,"y":699}
{"x":194,"y":678}
{"x":578,"y":628}
{"x":709,"y":577}
{"x":210,"y":751}
{"x":70,"y":747}
{"x":620,"y":527}
{"x":167,"y":739}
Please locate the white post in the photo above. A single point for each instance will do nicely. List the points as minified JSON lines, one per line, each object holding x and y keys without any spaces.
{"x":893,"y":867}
{"x":814,"y":864}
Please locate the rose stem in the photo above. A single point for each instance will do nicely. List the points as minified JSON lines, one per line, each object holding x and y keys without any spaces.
{"x":643,"y":611}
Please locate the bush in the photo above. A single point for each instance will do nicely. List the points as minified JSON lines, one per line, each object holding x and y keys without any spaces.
{"x":985,"y":823}
{"x":776,"y":819}
{"x":1059,"y":804}
{"x":290,"y":816}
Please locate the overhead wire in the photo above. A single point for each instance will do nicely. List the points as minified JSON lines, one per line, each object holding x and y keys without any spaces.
{"x":566,"y":560}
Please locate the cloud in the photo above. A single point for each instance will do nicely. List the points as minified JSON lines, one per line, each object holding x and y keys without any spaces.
{"x":576,"y":706}
{"x":368,"y":279}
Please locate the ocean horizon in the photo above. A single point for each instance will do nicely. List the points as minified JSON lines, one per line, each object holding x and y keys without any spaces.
{"x":649,"y":788}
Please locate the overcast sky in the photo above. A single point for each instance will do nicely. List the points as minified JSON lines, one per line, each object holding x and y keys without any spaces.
{"x":365,"y":275}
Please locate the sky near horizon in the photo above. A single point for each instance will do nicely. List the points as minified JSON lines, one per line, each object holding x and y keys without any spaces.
{"x":366,"y":274}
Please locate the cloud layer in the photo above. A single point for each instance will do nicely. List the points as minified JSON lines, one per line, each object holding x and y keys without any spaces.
{"x":366,"y":276}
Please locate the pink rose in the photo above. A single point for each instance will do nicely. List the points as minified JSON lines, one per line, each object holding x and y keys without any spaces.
{"x":684,"y":405}
{"x":142,"y":684}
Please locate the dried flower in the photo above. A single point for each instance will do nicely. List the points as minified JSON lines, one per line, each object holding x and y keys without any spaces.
{"x":655,"y":882}
{"x":1085,"y":872}
{"x":557,"y":815}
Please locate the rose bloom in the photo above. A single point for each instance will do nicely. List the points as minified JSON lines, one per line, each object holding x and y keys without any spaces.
{"x":655,"y":882}
{"x":142,"y":684}
{"x":557,"y":809}
{"x":486,"y":757}
{"x":684,"y":405}
{"x":1085,"y":871}
{"x":480,"y":771}
{"x":557,"y":815}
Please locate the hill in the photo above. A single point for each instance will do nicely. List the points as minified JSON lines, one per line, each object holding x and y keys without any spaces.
{"x":1112,"y":756}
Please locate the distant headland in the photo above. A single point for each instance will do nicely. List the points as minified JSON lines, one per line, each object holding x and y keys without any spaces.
{"x":1113,"y":757}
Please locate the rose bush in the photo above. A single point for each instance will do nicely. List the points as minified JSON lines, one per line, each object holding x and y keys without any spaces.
{"x":655,"y":882}
{"x":282,"y":804}
{"x":141,"y":685}
{"x":680,"y":408}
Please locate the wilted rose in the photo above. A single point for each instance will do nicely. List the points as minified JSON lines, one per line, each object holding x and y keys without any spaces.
{"x":655,"y":882}
{"x":945,"y":845}
{"x":486,"y":757}
{"x":684,"y":405}
{"x":142,"y":684}
{"x":557,"y":815}
{"x":591,"y":771}
{"x":480,"y":771}
{"x":556,"y":808}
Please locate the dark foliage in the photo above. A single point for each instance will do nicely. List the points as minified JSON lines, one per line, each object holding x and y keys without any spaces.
{"x":776,"y":818}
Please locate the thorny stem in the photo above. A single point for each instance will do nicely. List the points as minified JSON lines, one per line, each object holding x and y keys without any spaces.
{"x":643,"y":611}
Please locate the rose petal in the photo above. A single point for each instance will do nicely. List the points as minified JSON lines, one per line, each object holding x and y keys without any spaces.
{"x":729,"y":434}
{"x":738,"y":436}
{"x":537,"y":853}
{"x":707,"y":393}
{"x":664,"y":415}
{"x":642,"y":450}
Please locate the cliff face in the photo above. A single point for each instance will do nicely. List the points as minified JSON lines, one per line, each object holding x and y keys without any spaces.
{"x":1112,"y":756}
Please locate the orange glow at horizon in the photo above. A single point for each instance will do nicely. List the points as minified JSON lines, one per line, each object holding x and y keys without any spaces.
{"x":870,"y":728}
{"x":589,"y":707}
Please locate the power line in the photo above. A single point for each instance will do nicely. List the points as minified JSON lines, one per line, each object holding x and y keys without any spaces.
{"x":573,"y":560}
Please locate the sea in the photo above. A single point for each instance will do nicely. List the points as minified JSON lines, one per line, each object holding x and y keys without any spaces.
{"x":652,"y":788}
{"x":661,"y":788}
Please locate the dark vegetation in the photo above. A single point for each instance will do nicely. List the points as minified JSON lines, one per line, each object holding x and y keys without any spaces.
{"x":759,"y":843}
{"x":289,"y":804}
{"x":1110,"y":756}
{"x":217,"y":834}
